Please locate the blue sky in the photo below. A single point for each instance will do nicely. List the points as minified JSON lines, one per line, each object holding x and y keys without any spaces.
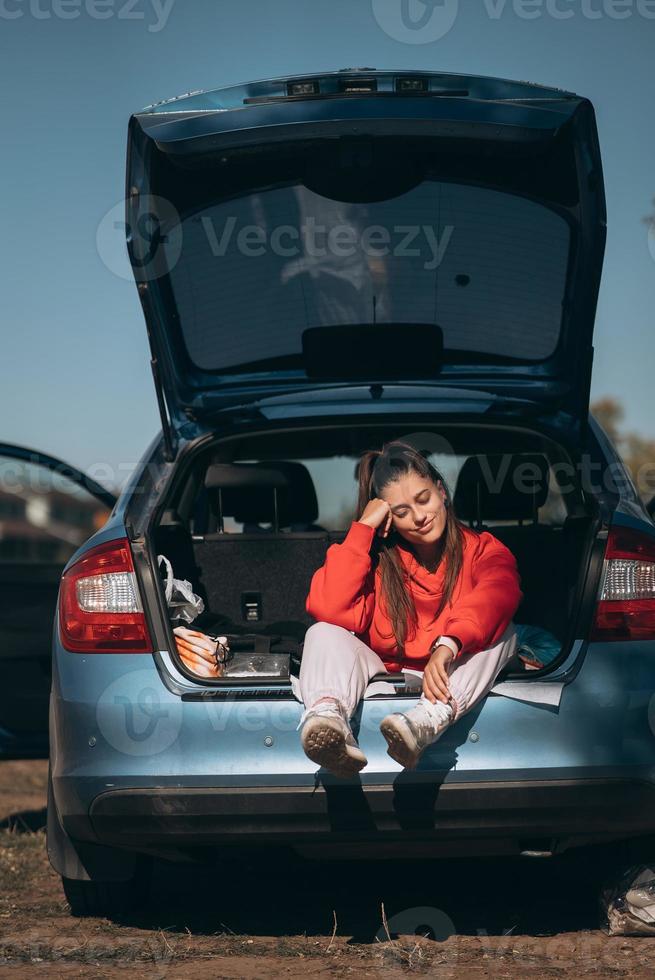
{"x":77,"y":381}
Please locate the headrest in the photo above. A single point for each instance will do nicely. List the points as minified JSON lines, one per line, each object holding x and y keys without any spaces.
{"x":501,"y":486}
{"x":247,"y":491}
{"x":227,"y":475}
{"x":298,"y":503}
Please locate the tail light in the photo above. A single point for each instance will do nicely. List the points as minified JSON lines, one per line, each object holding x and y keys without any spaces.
{"x":626,"y":610}
{"x":100,"y":608}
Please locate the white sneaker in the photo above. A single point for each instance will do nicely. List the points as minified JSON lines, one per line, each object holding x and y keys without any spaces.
{"x":329,"y":742}
{"x":409,"y":733}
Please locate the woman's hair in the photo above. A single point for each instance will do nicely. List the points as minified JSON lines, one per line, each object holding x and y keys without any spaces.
{"x":376,"y":470}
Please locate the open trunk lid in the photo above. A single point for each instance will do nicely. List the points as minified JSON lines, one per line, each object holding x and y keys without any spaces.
{"x":371,"y":226}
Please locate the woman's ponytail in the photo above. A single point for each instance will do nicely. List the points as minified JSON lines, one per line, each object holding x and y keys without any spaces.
{"x":365,"y":469}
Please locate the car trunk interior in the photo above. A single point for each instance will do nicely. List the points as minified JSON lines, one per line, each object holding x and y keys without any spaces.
{"x":250,"y":518}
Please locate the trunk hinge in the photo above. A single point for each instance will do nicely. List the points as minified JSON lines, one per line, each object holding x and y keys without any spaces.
{"x":169,"y":449}
{"x":167,"y":429}
{"x":580,"y":401}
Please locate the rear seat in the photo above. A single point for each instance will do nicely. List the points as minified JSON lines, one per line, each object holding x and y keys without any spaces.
{"x":257,"y":582}
{"x":297,"y":501}
{"x":539,"y":549}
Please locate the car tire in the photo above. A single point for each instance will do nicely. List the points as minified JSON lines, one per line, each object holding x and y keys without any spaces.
{"x":107,"y":898}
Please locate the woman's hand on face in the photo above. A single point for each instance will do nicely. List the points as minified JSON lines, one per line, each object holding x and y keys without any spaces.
{"x":377,"y":514}
{"x":196,"y":651}
{"x":435,"y":677}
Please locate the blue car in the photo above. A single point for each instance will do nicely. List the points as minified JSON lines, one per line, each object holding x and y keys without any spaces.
{"x":326,"y":263}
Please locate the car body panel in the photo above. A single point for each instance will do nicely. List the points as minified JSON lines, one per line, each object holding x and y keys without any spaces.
{"x":600,"y":731}
{"x":493,"y":110}
{"x":448,"y":83}
{"x":144,"y":758}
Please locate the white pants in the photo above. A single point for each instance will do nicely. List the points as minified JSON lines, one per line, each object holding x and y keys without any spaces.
{"x":336,"y":664}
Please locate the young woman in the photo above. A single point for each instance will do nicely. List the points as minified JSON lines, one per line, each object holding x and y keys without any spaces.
{"x":410,"y":587}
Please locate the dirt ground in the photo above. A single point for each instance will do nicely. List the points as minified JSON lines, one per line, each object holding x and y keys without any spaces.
{"x":287,"y":918}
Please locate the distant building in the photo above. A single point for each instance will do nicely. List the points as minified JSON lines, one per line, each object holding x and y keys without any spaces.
{"x":46,"y":526}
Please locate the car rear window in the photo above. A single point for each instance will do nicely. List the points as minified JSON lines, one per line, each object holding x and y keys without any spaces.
{"x":488,"y":267}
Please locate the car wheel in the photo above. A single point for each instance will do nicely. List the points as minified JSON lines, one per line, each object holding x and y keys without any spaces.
{"x":107,"y":898}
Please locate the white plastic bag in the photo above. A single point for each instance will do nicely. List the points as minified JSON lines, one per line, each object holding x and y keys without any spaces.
{"x":629,"y":904}
{"x":181,"y":600}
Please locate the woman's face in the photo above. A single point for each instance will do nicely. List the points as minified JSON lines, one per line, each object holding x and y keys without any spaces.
{"x":418,"y":508}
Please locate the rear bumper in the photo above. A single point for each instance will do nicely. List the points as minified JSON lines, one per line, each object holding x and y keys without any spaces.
{"x":564,"y":812}
{"x":194,"y":773}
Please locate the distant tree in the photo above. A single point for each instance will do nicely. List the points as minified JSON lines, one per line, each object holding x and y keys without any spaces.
{"x":609,"y":413}
{"x":637,"y":452}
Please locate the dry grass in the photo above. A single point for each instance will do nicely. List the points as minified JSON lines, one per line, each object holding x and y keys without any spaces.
{"x":267,"y":925}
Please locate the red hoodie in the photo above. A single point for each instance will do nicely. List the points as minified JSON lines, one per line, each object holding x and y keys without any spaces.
{"x":346,"y":591}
